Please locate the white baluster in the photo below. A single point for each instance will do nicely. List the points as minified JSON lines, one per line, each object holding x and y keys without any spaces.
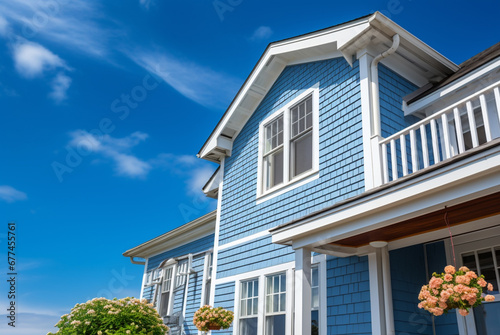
{"x":414,"y":152}
{"x":472,"y":124}
{"x":394,"y":160}
{"x":435,"y":144}
{"x":385,"y":167}
{"x":425,"y":149}
{"x":446,"y":135}
{"x":404,"y":159}
{"x":459,"y":131}
{"x":497,"y":100}
{"x":486,"y":119}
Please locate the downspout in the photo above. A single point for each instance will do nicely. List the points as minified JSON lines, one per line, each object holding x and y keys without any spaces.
{"x":376,"y":128}
{"x":190,"y":271}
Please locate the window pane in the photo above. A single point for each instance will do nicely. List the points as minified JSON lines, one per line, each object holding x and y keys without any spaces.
{"x":269,"y":285}
{"x":274,"y":169}
{"x":275,"y":325}
{"x":315,"y":297}
{"x":315,"y":277}
{"x":244,"y":290}
{"x":314,"y":323}
{"x":249,"y":306}
{"x":273,"y":134}
{"x":276,"y":301}
{"x":469,"y":260}
{"x":283,"y":283}
{"x":276,"y":287}
{"x":255,"y":306}
{"x":269,"y":300}
{"x":243,"y":307}
{"x":256,"y":288}
{"x":283,"y":302}
{"x":164,"y":304}
{"x":302,"y":154}
{"x":248,"y":326}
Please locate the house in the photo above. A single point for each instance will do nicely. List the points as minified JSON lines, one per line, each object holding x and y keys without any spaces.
{"x":354,"y":162}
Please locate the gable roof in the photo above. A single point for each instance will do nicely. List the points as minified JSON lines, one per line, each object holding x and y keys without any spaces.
{"x":186,"y":233}
{"x":466,"y":67}
{"x":342,"y":40}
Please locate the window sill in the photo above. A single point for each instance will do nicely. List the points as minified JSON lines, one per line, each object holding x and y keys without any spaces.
{"x":303,"y":179}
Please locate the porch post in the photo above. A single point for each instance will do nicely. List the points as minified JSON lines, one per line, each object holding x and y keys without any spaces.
{"x":302,"y":323}
{"x":381,"y":290}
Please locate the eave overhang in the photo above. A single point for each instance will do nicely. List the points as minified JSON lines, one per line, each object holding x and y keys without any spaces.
{"x":211,"y":188}
{"x":186,"y":233}
{"x":344,"y":40}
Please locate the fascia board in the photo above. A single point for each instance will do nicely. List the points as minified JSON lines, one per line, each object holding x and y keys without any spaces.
{"x":176,"y":237}
{"x":451,"y":87}
{"x":381,"y":22}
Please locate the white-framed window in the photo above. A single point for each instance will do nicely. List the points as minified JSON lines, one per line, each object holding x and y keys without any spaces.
{"x":180,"y":276}
{"x":289,"y":149}
{"x":275,"y":321}
{"x":208,"y":279}
{"x":166,"y":291}
{"x":480,"y":252}
{"x":249,"y":307}
{"x":315,"y":323}
{"x":264,"y":300}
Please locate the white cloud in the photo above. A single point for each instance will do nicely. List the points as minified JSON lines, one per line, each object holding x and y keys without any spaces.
{"x":115,"y":149}
{"x":198,"y":179}
{"x":32,"y":59}
{"x":147,"y":3}
{"x":10,"y":194}
{"x":194,"y":171}
{"x":60,"y":86}
{"x":261,"y":33}
{"x":72,"y":24}
{"x":4,"y":26}
{"x":30,"y":324}
{"x":198,"y":83}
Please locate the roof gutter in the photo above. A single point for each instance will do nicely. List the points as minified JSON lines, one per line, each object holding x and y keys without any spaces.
{"x":136,"y":262}
{"x":376,"y":127}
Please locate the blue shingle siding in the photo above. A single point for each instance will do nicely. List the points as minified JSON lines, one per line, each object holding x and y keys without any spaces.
{"x":340,"y":152}
{"x":393,"y":88}
{"x":253,"y":255}
{"x":199,"y":245}
{"x":348,"y":296}
{"x":224,"y":297}
{"x":194,"y":294}
{"x":408,"y":274}
{"x":148,"y":293}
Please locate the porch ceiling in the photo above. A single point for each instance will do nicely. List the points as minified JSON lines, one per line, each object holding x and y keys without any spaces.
{"x":458,"y":214}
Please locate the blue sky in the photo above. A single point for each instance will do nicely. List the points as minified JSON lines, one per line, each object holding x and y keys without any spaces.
{"x":104,"y":105}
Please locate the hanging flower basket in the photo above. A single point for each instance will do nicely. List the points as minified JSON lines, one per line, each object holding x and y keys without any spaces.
{"x":214,"y":326}
{"x":462,"y":289}
{"x":212,"y":318}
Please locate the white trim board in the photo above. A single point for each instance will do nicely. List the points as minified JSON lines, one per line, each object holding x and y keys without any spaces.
{"x":245,"y":239}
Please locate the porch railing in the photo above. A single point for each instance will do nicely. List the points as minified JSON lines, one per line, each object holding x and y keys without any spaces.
{"x":467,"y":124}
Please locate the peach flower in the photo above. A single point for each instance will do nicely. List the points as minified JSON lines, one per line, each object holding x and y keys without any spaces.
{"x":489,"y":297}
{"x":449,"y":269}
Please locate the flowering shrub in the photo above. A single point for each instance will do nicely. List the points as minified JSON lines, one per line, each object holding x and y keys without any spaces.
{"x":460,"y":289}
{"x":207,"y":316}
{"x":101,"y":316}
